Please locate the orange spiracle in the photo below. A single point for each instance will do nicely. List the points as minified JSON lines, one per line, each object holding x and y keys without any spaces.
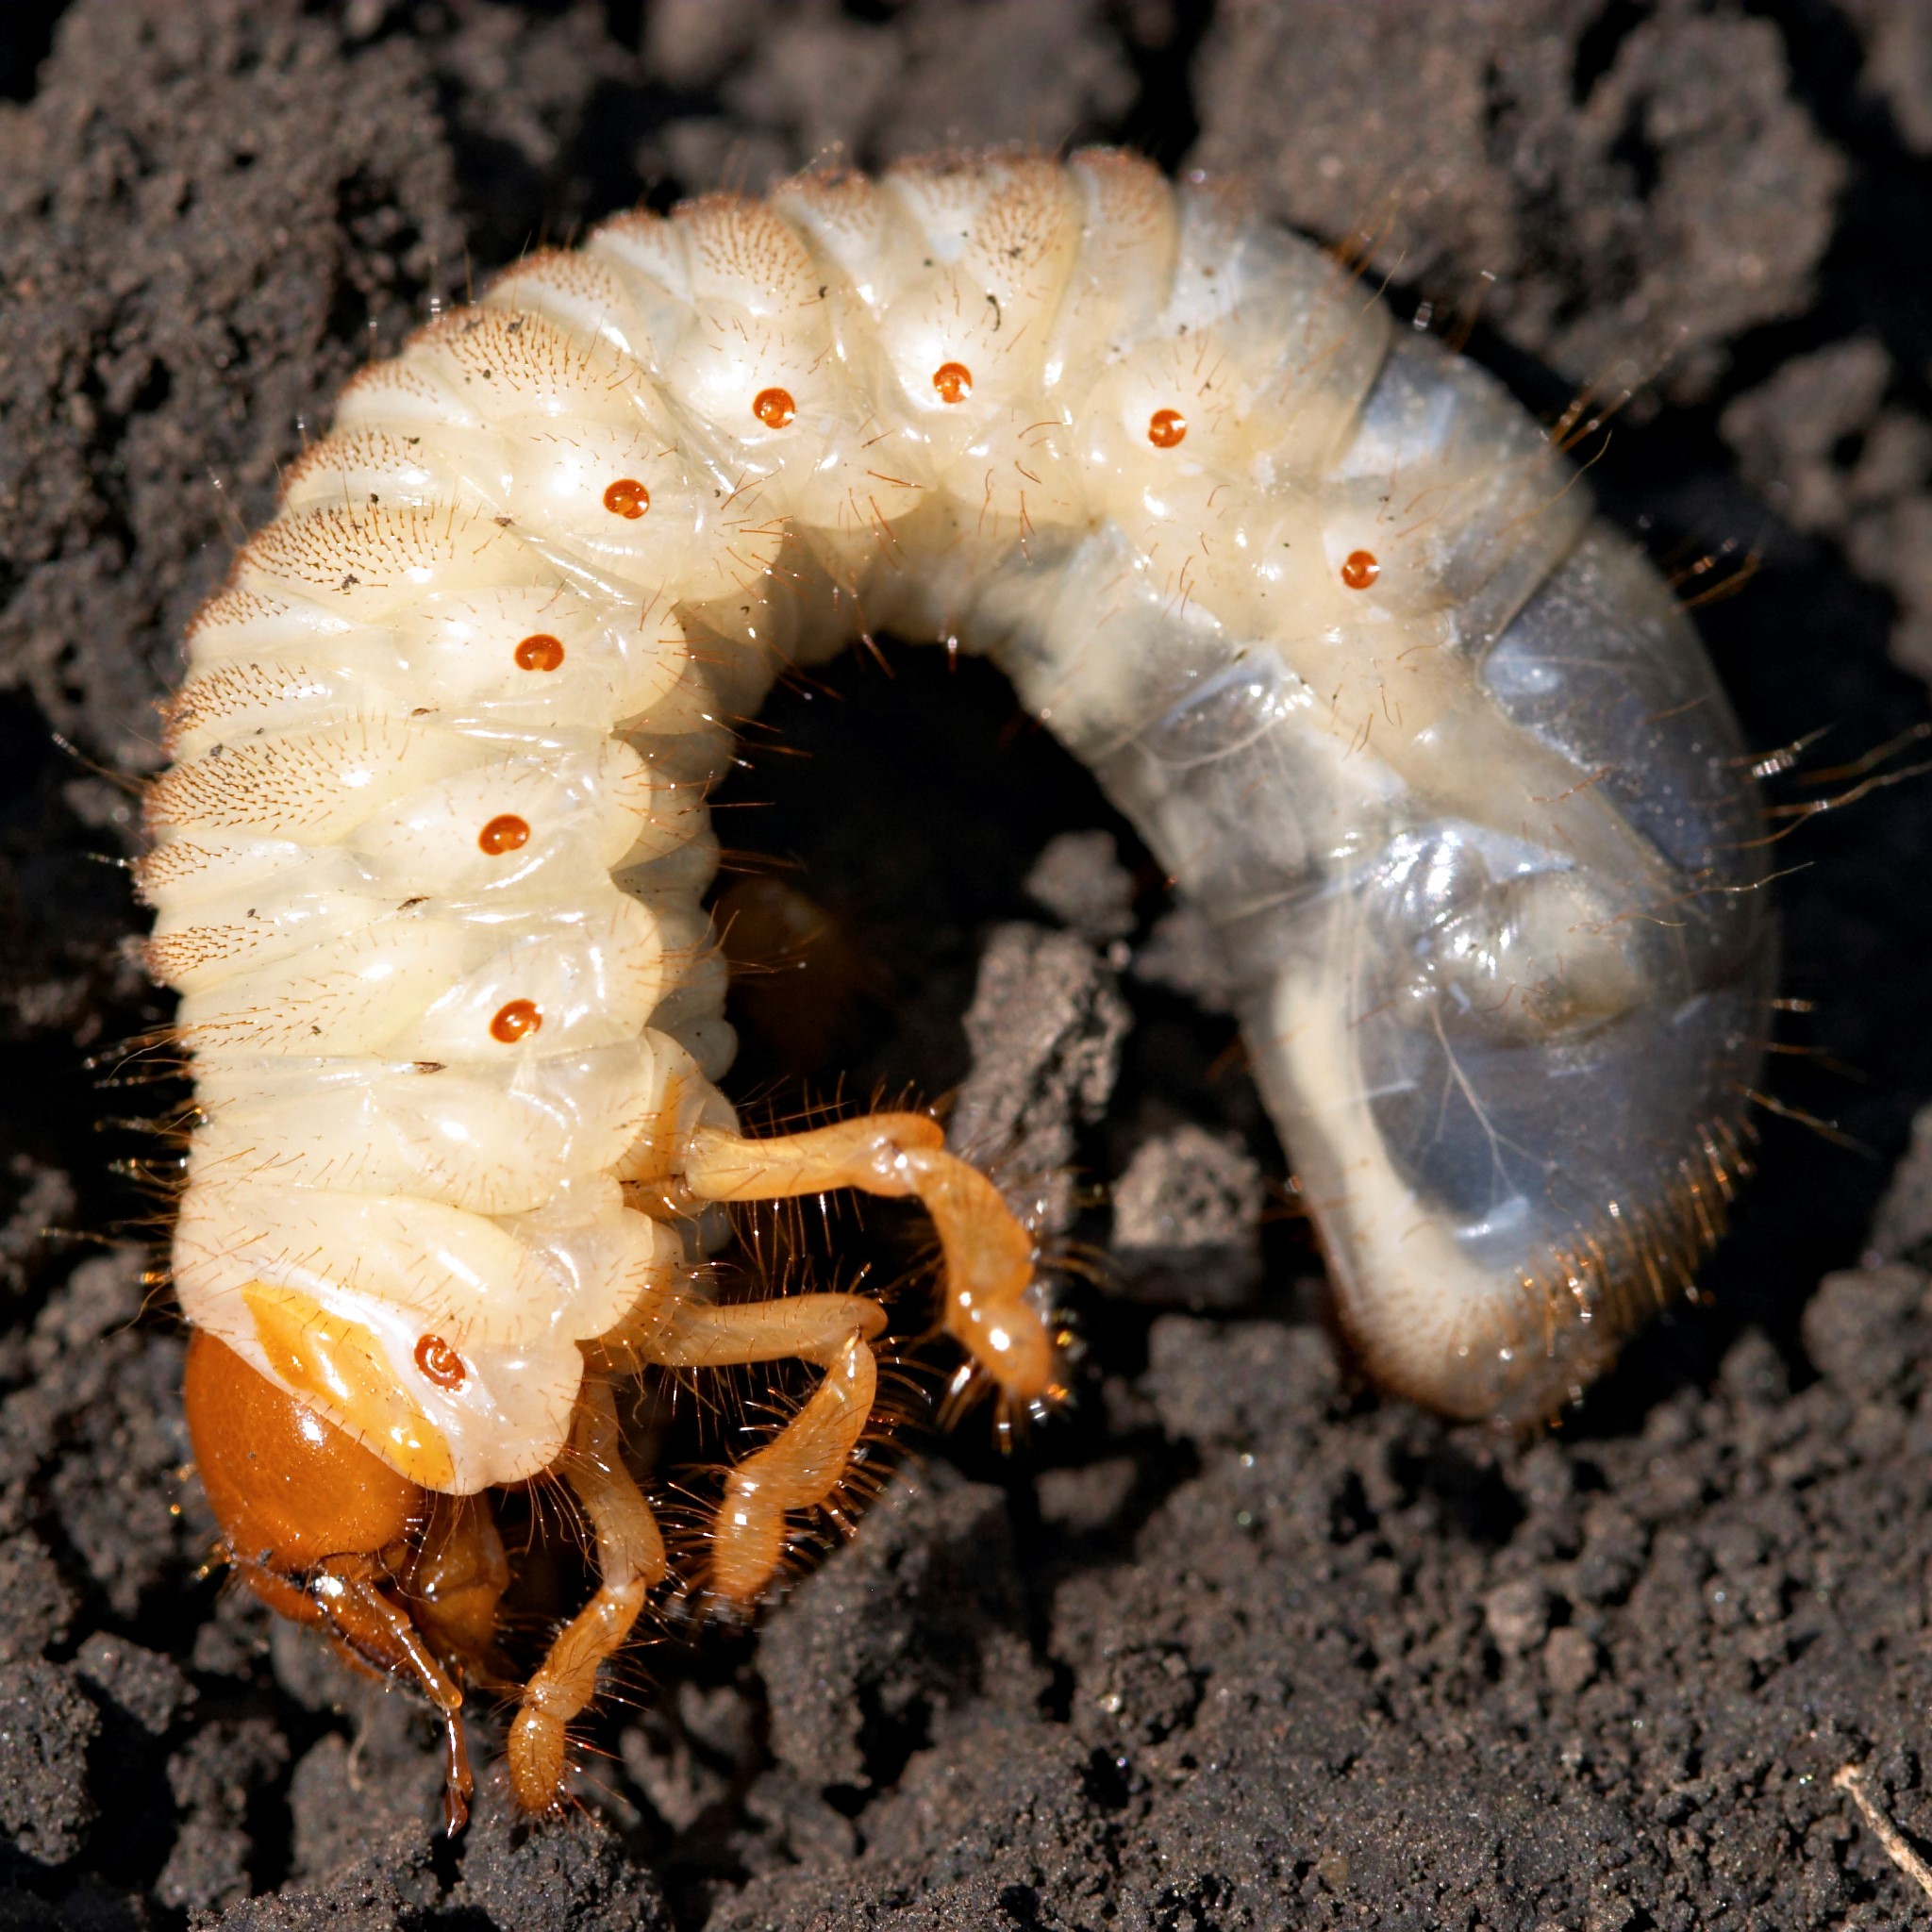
{"x":1166,"y":427}
{"x":1360,"y":569}
{"x":541,"y":651}
{"x":774,"y":407}
{"x":515,"y":1020}
{"x":627,"y":498}
{"x":953,"y":382}
{"x":503,"y":833}
{"x":439,"y":1362}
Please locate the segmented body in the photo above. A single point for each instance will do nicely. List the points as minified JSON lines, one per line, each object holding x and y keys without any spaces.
{"x":1325,"y":611}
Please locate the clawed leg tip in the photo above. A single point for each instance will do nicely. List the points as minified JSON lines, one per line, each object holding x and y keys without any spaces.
{"x":728,"y":1608}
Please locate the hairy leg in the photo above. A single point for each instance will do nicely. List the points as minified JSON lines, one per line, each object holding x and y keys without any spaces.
{"x":806,"y":1461}
{"x":989,"y":1255}
{"x":630,"y":1558}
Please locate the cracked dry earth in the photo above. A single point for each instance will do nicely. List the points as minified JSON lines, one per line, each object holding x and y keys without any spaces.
{"x":1232,"y":1643}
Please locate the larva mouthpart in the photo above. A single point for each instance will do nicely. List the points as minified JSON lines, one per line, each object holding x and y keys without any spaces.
{"x":1432,"y":752}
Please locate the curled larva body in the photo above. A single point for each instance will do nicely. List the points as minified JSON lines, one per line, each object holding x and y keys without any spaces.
{"x":1327,"y":614}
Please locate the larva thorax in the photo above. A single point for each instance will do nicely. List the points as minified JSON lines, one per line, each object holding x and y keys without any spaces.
{"x":1325,"y":612}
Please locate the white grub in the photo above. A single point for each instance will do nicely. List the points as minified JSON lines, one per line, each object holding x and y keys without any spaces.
{"x":1431,"y":751}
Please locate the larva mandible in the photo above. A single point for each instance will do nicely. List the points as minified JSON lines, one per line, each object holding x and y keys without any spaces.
{"x":1326,"y":613}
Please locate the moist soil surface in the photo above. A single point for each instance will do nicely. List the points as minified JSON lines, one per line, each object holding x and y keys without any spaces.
{"x":1231,"y":1643}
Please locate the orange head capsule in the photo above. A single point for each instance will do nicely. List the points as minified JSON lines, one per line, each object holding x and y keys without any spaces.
{"x":287,"y":1487}
{"x":326,"y":1532}
{"x":953,"y":381}
{"x":540,"y":652}
{"x":774,"y":407}
{"x":503,"y":833}
{"x":627,"y":498}
{"x":1166,"y":427}
{"x":1360,"y":569}
{"x":515,"y":1020}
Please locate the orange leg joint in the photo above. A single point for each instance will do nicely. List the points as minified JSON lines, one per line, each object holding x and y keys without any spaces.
{"x":988,"y":1256}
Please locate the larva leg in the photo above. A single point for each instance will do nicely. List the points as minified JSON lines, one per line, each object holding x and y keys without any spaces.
{"x":806,"y":1461}
{"x":989,"y":1255}
{"x":630,"y":1558}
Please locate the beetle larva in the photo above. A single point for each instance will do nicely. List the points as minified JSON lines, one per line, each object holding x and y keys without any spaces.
{"x":1325,"y":611}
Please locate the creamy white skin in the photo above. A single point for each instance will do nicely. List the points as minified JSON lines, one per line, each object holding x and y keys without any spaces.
{"x":1469,"y":817}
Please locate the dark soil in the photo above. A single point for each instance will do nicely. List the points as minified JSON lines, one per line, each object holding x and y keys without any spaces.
{"x":1231,"y":1644}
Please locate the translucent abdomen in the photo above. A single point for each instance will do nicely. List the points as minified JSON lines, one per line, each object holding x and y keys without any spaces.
{"x":1504,"y":980}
